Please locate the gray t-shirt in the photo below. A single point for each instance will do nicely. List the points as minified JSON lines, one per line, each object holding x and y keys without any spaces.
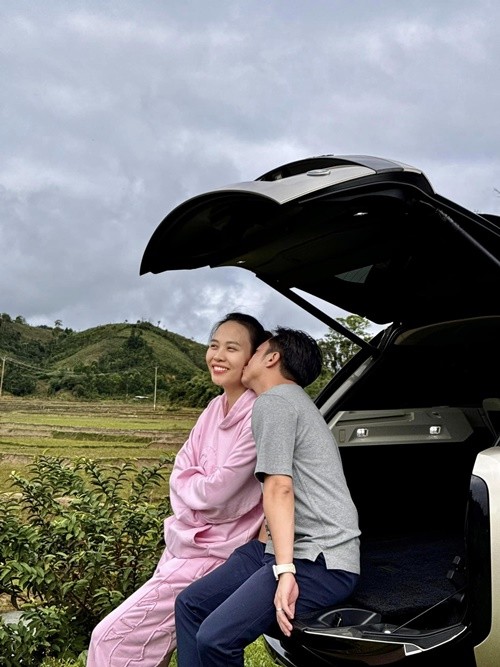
{"x":293,"y":439}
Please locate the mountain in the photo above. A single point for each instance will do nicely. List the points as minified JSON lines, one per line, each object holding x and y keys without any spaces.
{"x":108,"y":360}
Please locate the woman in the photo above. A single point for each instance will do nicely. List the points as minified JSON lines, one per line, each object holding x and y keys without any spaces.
{"x":216,"y":504}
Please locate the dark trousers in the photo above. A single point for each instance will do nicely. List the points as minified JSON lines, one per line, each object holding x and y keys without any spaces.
{"x":224,"y":611}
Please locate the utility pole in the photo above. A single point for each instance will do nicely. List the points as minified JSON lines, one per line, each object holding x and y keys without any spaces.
{"x":1,"y":376}
{"x":156,"y":379}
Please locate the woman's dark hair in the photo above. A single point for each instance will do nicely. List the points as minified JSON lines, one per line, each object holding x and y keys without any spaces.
{"x":255,"y":329}
{"x":300,"y":355}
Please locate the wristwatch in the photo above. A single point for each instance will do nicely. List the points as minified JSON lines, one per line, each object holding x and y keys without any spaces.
{"x":280,"y":569}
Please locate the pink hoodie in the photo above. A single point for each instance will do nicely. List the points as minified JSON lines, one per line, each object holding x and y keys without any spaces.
{"x":216,"y":499}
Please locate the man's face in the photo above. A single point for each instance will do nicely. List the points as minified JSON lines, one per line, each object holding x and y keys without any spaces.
{"x":255,"y":367}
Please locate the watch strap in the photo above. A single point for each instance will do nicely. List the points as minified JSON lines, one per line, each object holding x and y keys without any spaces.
{"x":281,"y":569}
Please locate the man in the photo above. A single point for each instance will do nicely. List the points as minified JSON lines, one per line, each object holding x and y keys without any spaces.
{"x":311,"y":557}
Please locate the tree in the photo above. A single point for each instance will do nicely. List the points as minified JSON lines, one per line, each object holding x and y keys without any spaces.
{"x":337,"y":349}
{"x":196,"y":391}
{"x":19,"y":380}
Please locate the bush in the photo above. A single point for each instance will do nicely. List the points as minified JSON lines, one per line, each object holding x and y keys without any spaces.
{"x":77,"y":539}
{"x":194,"y":392}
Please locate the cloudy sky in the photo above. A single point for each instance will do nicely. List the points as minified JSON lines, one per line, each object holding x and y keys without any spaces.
{"x":114,"y":112}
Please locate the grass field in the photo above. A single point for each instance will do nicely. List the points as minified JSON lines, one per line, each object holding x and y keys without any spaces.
{"x":105,"y":431}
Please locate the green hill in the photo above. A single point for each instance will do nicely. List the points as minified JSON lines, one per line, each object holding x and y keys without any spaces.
{"x":112,"y":360}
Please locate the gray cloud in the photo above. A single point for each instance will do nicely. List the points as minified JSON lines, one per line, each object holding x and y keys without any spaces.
{"x":115,"y":112}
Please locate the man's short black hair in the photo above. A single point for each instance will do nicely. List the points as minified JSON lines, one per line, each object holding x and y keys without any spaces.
{"x":301,"y":358}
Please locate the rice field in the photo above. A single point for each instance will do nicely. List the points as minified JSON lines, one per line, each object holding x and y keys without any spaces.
{"x":107,"y":431}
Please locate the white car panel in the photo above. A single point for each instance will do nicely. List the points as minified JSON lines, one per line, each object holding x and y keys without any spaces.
{"x":487,"y":467}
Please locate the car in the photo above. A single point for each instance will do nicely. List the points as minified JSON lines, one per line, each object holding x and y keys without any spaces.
{"x":416,"y":411}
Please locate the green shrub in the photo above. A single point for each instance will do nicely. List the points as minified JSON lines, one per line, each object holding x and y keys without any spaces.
{"x":77,"y":539}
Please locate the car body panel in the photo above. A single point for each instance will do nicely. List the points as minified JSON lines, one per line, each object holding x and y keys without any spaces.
{"x":282,"y":191}
{"x":375,"y":243}
{"x":487,"y":467}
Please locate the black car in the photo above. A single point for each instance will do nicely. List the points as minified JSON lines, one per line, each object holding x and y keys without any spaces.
{"x":416,"y":411}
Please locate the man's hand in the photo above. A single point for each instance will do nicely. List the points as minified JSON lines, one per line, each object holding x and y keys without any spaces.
{"x":284,"y":601}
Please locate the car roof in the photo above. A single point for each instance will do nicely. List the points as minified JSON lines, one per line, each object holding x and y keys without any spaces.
{"x":364,"y":233}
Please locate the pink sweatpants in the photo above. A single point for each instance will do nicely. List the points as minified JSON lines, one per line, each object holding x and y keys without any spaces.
{"x":141,"y":631}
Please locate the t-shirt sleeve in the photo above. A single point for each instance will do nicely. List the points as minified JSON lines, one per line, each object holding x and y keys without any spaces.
{"x":274,"y":426}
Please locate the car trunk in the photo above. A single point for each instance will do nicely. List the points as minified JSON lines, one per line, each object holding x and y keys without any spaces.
{"x":409,"y":432}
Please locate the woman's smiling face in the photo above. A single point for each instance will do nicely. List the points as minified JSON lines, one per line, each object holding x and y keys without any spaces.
{"x":228,"y":351}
